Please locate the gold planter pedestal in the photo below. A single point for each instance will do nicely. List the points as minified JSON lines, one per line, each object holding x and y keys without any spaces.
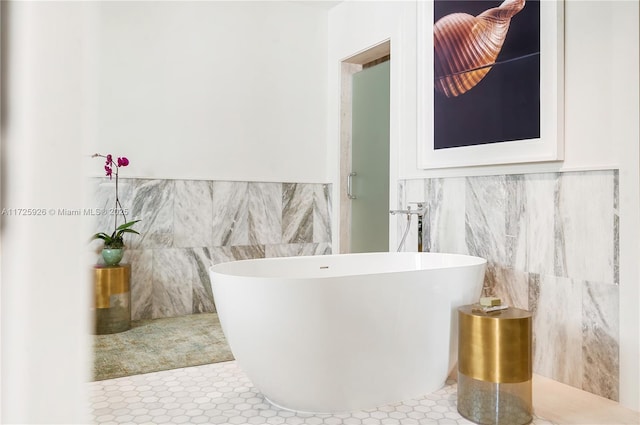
{"x":494,"y":366}
{"x":112,"y":298}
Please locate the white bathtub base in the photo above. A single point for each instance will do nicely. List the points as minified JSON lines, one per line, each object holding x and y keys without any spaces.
{"x":347,"y":406}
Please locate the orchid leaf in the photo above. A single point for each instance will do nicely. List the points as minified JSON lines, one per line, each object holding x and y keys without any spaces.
{"x":127,"y":225}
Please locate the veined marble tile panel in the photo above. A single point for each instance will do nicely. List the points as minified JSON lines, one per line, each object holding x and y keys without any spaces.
{"x":297,"y":213}
{"x":173,"y":278}
{"x":486,"y":223}
{"x":511,"y":286}
{"x":557,"y":324}
{"x":321,"y":213}
{"x":446,"y":209}
{"x":600,"y":333}
{"x":141,"y":282}
{"x":103,"y":201}
{"x":230,"y":213}
{"x":585,"y":226}
{"x":193,"y":214}
{"x":534,"y":294}
{"x":539,"y":216}
{"x":201,"y":284}
{"x":547,"y":237}
{"x":265,"y":213}
{"x":223,"y":254}
{"x":295,"y":250}
{"x":187,"y":225}
{"x":152,"y":201}
{"x":489,"y":284}
{"x":414,"y":191}
{"x":515,"y":223}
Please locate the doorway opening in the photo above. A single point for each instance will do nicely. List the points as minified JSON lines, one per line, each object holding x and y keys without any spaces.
{"x":364,"y":150}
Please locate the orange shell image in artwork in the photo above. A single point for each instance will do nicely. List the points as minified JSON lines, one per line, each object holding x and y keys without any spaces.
{"x":466,"y":46}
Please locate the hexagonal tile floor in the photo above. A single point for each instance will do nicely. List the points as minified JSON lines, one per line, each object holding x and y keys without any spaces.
{"x":221,"y":393}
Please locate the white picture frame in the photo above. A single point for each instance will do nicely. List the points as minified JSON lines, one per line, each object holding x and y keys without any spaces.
{"x":548,"y":147}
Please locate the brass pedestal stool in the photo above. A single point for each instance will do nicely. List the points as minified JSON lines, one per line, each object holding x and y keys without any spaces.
{"x":494,"y":366}
{"x":112,"y":298}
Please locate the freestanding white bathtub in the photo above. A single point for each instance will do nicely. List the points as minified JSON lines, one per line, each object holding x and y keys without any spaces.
{"x":345,"y":332}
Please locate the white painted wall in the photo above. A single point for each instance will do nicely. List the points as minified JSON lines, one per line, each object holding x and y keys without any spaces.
{"x":601,"y":121}
{"x":213,"y":90}
{"x":45,"y":290}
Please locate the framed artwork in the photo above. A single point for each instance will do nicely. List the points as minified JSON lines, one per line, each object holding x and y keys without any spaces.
{"x":490,"y":82}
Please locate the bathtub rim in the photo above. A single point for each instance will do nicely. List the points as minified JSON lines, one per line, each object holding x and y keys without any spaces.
{"x":237,"y":271}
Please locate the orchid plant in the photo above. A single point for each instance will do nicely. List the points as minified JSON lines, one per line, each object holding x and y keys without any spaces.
{"x":115,"y":239}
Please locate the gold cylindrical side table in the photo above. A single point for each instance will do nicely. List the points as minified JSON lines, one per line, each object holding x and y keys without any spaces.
{"x":112,"y":298}
{"x":494,"y":365}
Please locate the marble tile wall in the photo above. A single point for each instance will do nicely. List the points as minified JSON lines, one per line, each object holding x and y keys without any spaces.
{"x":551,"y":241}
{"x":188,"y":225}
